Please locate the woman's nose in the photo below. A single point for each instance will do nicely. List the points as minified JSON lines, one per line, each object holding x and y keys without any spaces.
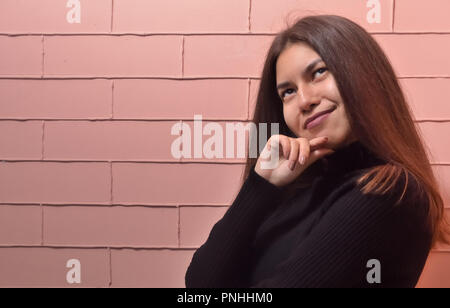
{"x":306,"y":97}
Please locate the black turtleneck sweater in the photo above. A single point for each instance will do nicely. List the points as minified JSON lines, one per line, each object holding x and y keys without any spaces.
{"x":323,"y":235}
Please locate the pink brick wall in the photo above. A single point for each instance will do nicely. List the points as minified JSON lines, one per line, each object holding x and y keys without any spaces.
{"x":86,"y":110}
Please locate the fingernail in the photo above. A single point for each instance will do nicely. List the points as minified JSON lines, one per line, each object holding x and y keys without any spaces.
{"x":302,"y":159}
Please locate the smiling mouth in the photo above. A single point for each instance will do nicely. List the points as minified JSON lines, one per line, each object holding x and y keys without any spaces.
{"x":319,"y":119}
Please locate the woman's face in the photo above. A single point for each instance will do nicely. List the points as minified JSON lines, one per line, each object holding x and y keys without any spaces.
{"x":306,"y":88}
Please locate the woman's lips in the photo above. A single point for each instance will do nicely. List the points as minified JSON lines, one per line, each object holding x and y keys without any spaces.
{"x":318,"y":120}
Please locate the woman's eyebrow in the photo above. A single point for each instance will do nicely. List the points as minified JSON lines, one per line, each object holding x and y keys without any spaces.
{"x":307,"y":70}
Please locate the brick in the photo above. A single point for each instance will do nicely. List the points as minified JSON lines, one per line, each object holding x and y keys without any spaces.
{"x":111,"y":226}
{"x":20,"y":225}
{"x":196,"y":224}
{"x":428,"y":97}
{"x":49,"y":16}
{"x":436,"y":273}
{"x":254,"y":88}
{"x":180,"y":99}
{"x":79,"y":140}
{"x":113,"y":56}
{"x":181,"y":16}
{"x":55,"y":99}
{"x":434,"y":133}
{"x":225,"y":55}
{"x":46,"y":267}
{"x":21,"y":55}
{"x":422,"y":16}
{"x":417,"y":55}
{"x":54,"y":182}
{"x":20,"y":140}
{"x":269,"y":18}
{"x":172,"y":184}
{"x":149,"y":268}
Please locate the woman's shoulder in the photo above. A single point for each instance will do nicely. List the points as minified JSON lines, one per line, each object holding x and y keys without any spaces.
{"x":389,"y":179}
{"x":394,"y":187}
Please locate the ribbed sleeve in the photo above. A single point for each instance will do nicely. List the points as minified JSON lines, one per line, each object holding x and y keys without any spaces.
{"x":221,"y":261}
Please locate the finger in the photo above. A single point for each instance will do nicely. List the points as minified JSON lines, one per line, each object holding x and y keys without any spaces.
{"x":317,"y":143}
{"x":293,"y":156}
{"x":269,"y":142}
{"x":304,"y":150}
{"x":271,"y":145}
{"x":286,"y":145}
{"x":273,"y":142}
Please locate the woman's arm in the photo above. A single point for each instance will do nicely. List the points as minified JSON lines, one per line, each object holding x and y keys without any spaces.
{"x":222,"y":260}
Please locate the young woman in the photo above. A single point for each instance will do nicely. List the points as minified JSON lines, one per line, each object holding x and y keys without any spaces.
{"x":352,"y":200}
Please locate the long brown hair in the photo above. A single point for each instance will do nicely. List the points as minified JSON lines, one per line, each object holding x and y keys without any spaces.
{"x":376,"y":107}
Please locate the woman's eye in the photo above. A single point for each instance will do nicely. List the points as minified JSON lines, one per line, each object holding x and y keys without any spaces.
{"x":320,"y":70}
{"x":285,"y":92}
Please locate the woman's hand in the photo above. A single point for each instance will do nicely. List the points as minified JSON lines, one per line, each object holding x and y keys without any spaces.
{"x":290,"y":152}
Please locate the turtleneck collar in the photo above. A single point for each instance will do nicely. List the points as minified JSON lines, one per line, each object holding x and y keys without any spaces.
{"x":348,"y":158}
